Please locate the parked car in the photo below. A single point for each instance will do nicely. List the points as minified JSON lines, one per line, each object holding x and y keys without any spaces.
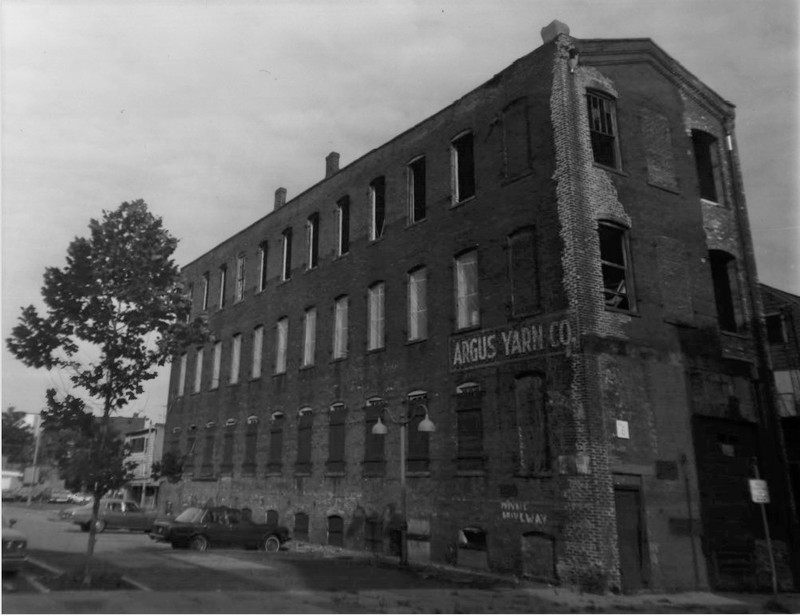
{"x":200,"y":528}
{"x":114,"y":514}
{"x":80,"y":498}
{"x":59,"y":496}
{"x":15,"y":547}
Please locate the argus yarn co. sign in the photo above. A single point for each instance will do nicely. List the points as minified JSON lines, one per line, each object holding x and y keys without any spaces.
{"x":528,"y":339}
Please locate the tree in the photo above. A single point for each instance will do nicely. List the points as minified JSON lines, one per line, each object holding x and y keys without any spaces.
{"x":76,"y":442}
{"x":17,"y":437}
{"x":119,"y":301}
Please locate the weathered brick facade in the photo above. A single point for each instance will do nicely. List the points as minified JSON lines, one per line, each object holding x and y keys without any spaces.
{"x":564,"y":408}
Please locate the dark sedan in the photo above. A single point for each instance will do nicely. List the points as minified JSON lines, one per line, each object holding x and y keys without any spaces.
{"x":200,"y":528}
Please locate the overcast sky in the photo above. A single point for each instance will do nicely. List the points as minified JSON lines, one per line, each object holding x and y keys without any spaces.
{"x":203,"y":109}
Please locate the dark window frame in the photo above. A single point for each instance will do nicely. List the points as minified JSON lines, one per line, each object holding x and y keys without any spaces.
{"x":615,"y":266}
{"x":603,"y":129}
{"x":417,"y":189}
{"x":464,"y":182}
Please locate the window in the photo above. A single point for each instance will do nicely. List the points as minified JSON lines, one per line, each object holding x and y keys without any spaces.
{"x":216,"y":366}
{"x":776,"y":329}
{"x":258,"y":351}
{"x":418,"y":457}
{"x":343,"y":210}
{"x":286,"y":273}
{"x":275,"y":459}
{"x":182,"y":375}
{"x":516,"y":140}
{"x":312,"y":240}
{"x":227,"y":451}
{"x":208,"y":454}
{"x":416,"y":190}
{"x":340,"y":328}
{"x":725,"y":275}
{"x":281,"y":345}
{"x":223,"y":277}
{"x":335,"y":531}
{"x":262,"y":271}
{"x":615,"y":265}
{"x":374,"y":455}
{"x":236,"y":354}
{"x":463,"y":168}
{"x":198,"y":370}
{"x":137,"y":445}
{"x":523,"y":272}
{"x":240,"y":269}
{"x":377,"y":197}
{"x":375,"y":316}
{"x":707,"y":163}
{"x":250,"y":442}
{"x":603,"y":129}
{"x":205,"y":291}
{"x":272,"y":517}
{"x":309,"y":336}
{"x":532,"y":427}
{"x":300,"y":526}
{"x":469,"y":417}
{"x":417,"y":304}
{"x":467,"y":308}
{"x":305,"y":422}
{"x":336,"y":438}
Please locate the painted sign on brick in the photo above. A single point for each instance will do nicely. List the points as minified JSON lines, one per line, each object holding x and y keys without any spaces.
{"x":530,"y":338}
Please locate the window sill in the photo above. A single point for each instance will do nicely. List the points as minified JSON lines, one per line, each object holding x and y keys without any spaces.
{"x":454,"y":205}
{"x":338,"y":359}
{"x":278,"y":375}
{"x":711,"y":203}
{"x":331,"y":474}
{"x":420,"y":340}
{"x":510,"y":180}
{"x":310,"y":269}
{"x":301,"y":474}
{"x":376,"y":350}
{"x":412,"y":224}
{"x":664,"y":188}
{"x":468,"y":329}
{"x":274,"y":472}
{"x":306,"y":368}
{"x":614,"y":170}
{"x":418,"y":474}
{"x":376,"y":240}
{"x":255,"y":378}
{"x":341,"y":256}
{"x":735,"y":334}
{"x":212,"y":389}
{"x":623,"y":312}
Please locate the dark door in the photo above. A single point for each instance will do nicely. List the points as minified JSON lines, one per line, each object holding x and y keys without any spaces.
{"x":630,"y":537}
{"x":335,"y":531}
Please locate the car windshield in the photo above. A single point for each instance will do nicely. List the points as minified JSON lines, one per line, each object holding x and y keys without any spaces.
{"x":190,"y":515}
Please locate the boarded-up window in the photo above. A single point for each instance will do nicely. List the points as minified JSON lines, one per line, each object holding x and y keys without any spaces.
{"x":657,"y":140}
{"x":516,"y":139}
{"x":275,"y":459}
{"x":335,"y":531}
{"x":523,"y":272}
{"x":227,"y":451}
{"x":532,"y":427}
{"x":250,"y":442}
{"x":374,"y":455}
{"x":674,"y":280}
{"x":418,"y":458}
{"x":305,"y":421}
{"x":373,"y":533}
{"x":188,"y":464}
{"x":208,"y":455}
{"x":300,"y":526}
{"x":336,"y":438}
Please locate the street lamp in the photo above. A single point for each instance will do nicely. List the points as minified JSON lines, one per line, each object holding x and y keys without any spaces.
{"x":379,"y":429}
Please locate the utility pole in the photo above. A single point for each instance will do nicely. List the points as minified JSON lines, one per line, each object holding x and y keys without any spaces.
{"x":35,"y":456}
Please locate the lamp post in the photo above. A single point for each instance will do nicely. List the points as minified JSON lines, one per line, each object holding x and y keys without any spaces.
{"x":379,"y":429}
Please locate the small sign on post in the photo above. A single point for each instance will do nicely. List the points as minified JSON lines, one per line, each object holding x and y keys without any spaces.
{"x":759,"y":492}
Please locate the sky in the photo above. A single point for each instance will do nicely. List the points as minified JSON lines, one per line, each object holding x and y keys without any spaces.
{"x":203,"y":109}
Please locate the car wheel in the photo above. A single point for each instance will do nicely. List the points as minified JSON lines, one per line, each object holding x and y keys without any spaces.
{"x":99,"y":526}
{"x":198,"y":543}
{"x":272,"y":544}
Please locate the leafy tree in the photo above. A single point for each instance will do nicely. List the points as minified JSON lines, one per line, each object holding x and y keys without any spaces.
{"x":118,"y":301}
{"x":84,"y":461}
{"x":170,"y":467}
{"x":17,"y":437}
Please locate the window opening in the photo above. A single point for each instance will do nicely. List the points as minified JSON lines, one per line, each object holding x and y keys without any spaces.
{"x":336,"y":438}
{"x":725,"y":275}
{"x":416,"y":190}
{"x":286,"y":273}
{"x":375,"y":309}
{"x":463,"y":163}
{"x":182,"y":375}
{"x":258,"y":349}
{"x":340,"y":328}
{"x":417,"y":304}
{"x":418,"y":458}
{"x":301,"y":526}
{"x":603,"y":129}
{"x":467,"y":313}
{"x":262,"y":273}
{"x":223,"y":277}
{"x":532,"y":424}
{"x":377,"y":190}
{"x":236,"y":354}
{"x":305,"y":421}
{"x":205,"y":290}
{"x":281,"y":345}
{"x":312,"y":240}
{"x":309,"y":336}
{"x":707,"y":163}
{"x":240,"y":279}
{"x":335,"y":531}
{"x":343,"y":208}
{"x":275,"y":455}
{"x":614,"y":258}
{"x":198,"y":370}
{"x":216,"y":365}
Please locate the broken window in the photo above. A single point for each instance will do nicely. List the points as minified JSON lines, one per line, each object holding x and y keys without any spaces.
{"x":603,"y":129}
{"x":706,"y":159}
{"x":724,"y":273}
{"x":377,"y":192}
{"x":416,"y":190}
{"x":614,"y":258}
{"x":463,"y":168}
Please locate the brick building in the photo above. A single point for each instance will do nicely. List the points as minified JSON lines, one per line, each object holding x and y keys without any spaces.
{"x":557,"y":271}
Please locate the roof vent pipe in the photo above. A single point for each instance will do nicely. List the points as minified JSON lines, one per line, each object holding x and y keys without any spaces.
{"x":280,"y":198}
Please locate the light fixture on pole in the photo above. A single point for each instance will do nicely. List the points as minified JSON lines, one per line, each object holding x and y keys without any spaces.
{"x":426,"y":425}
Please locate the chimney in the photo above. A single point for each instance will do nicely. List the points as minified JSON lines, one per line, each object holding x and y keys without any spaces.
{"x":331,"y":164}
{"x":551,"y":31}
{"x":280,"y":198}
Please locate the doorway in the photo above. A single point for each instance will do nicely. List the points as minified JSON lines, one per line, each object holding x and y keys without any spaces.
{"x":631,"y":540}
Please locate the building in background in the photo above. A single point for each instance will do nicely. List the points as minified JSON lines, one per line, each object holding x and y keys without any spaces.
{"x":146,"y":446}
{"x":556,"y":270}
